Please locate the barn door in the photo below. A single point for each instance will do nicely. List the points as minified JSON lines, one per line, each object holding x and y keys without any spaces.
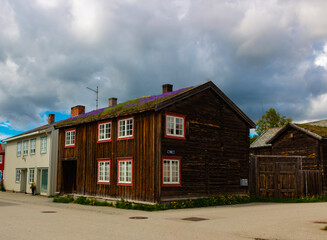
{"x":286,"y":174}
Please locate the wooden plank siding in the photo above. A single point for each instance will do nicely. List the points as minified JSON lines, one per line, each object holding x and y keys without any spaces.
{"x":283,"y":177}
{"x":214,"y":155}
{"x":143,"y":150}
{"x":295,"y":142}
{"x":215,"y":152}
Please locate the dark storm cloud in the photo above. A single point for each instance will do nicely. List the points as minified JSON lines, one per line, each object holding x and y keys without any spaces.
{"x":261,"y":54}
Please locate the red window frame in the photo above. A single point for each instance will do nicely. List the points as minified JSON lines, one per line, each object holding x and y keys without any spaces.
{"x":121,"y":159}
{"x":179,"y":159}
{"x":70,"y":130}
{"x":107,"y":140}
{"x":125,"y":138}
{"x":184,"y":126}
{"x":104,"y":160}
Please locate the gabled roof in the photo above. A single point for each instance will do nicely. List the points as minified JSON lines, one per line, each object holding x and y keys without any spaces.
{"x":317,"y":132}
{"x":38,"y":130}
{"x":261,"y":141}
{"x":155,"y":102}
{"x":321,"y":123}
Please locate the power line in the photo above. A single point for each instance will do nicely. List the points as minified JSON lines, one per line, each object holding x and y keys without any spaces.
{"x":97,"y":92}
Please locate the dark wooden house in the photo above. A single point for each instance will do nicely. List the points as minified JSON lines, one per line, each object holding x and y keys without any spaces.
{"x":308,"y":140}
{"x":180,"y":144}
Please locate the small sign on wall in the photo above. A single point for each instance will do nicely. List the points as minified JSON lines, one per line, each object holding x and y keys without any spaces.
{"x":244,"y":182}
{"x":170,"y":151}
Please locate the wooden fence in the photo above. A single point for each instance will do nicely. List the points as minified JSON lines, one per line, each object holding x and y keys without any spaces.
{"x":282,"y":177}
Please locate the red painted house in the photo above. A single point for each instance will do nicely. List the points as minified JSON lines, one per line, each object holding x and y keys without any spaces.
{"x":2,"y":161}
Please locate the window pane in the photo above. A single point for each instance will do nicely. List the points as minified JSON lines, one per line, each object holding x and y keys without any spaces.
{"x":67,"y":138}
{"x":72,"y":138}
{"x":121,"y":128}
{"x":175,"y":171}
{"x":166,"y":168}
{"x":108,"y":131}
{"x":101,"y":131}
{"x":121,"y":171}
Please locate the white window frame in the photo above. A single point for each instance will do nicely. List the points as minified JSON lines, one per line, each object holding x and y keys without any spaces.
{"x":122,"y":130}
{"x":43,"y":147}
{"x":68,"y":136}
{"x":174,"y":118}
{"x":103,"y":167}
{"x":19,"y":149}
{"x":25,"y":147}
{"x":124,"y":172}
{"x":170,"y":171}
{"x":33,"y":144}
{"x":30,"y":180}
{"x":105,"y":126}
{"x":18,"y":175}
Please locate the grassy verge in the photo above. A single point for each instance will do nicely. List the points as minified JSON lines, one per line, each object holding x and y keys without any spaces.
{"x":81,"y":200}
{"x":196,"y":203}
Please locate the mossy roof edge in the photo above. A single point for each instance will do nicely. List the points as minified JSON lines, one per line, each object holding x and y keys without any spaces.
{"x":133,"y":106}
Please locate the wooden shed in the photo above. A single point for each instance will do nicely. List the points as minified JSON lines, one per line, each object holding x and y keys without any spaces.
{"x":307,"y":140}
{"x":180,"y":144}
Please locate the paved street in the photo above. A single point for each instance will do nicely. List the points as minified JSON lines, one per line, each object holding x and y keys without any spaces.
{"x":35,"y":217}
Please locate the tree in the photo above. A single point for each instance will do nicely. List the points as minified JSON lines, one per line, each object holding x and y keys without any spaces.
{"x":253,"y":138}
{"x":271,"y":119}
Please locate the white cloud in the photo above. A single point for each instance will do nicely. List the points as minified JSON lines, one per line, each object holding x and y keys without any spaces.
{"x":318,"y":107}
{"x":312,"y":17}
{"x":8,"y":26}
{"x":321,"y":58}
{"x":90,"y":19}
{"x":6,"y":124}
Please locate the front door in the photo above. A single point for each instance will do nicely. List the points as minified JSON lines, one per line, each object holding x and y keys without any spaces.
{"x":68,"y":177}
{"x":23,"y":180}
{"x":44,"y":180}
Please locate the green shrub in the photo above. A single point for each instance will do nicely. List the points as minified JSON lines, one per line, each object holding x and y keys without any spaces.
{"x":213,"y":200}
{"x":63,"y":199}
{"x":91,"y":201}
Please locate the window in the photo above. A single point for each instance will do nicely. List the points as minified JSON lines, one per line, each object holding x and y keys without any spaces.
{"x":19,"y":149}
{"x":175,"y":126}
{"x":125,"y":128}
{"x":103,"y":171}
{"x":104,"y":131}
{"x":43,"y":144}
{"x":125,"y":172}
{"x":18,"y":175}
{"x":33,"y":144}
{"x":70,"y":138}
{"x":1,"y":157}
{"x":31,"y":175}
{"x":25,"y":148}
{"x":171,"y":171}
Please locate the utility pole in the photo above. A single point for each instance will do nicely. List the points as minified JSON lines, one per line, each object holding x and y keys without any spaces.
{"x":97,"y":92}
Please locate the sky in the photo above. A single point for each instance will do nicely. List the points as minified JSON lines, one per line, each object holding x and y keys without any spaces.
{"x":262,"y":54}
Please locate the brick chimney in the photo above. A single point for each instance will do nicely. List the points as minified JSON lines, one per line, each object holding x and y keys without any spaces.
{"x":77,"y":110}
{"x":167,"y":88}
{"x":51,"y":118}
{"x":112,"y":102}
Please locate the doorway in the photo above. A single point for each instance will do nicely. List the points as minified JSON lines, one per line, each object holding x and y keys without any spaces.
{"x":23,"y":180}
{"x":44,"y":181}
{"x":68,"y":176}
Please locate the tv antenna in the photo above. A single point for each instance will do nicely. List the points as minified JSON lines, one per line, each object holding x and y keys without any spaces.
{"x":97,"y":92}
